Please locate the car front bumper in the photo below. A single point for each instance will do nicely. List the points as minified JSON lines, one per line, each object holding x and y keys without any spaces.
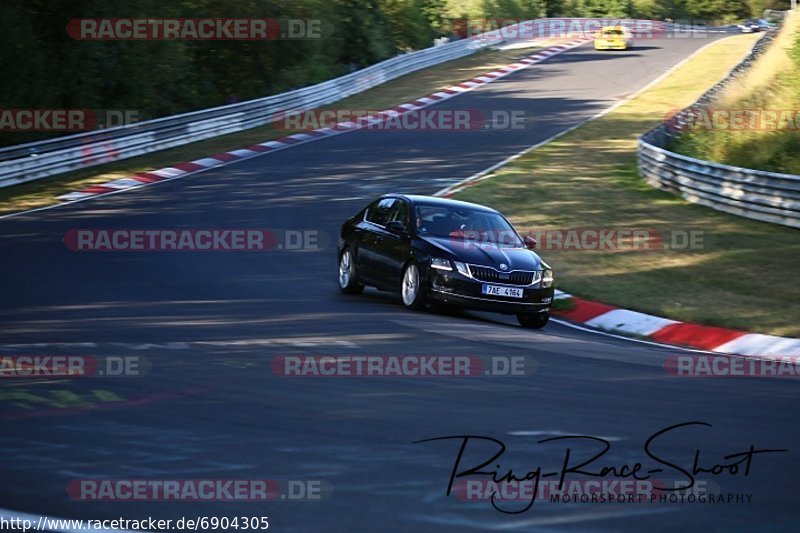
{"x":453,"y":288}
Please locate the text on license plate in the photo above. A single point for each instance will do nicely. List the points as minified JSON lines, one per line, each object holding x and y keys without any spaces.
{"x":496,"y":290}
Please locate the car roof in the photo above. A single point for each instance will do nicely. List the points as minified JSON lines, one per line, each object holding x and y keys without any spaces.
{"x":417,"y":199}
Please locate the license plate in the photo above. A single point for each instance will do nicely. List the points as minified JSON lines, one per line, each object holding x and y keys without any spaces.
{"x":496,"y":290}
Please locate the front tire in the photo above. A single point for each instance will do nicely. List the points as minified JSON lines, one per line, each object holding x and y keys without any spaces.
{"x":533,"y":321}
{"x":411,"y":288}
{"x":348,"y":278}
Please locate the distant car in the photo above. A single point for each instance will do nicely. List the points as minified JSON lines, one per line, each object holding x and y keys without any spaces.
{"x":434,"y":249}
{"x":754,"y":25}
{"x":613,"y":38}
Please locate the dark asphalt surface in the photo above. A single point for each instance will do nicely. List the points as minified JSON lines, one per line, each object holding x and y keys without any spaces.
{"x":210,"y":323}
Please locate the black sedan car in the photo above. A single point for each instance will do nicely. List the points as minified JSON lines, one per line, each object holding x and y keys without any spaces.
{"x":438,"y":250}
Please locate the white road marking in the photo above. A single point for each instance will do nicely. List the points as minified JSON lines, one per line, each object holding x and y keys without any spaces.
{"x":557,"y":433}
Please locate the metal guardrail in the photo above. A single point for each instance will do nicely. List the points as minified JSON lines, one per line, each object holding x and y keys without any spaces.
{"x":756,"y":194}
{"x":31,"y":161}
{"x":765,"y":196}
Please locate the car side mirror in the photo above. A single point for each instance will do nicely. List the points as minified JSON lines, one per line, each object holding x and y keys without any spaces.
{"x":530,"y":242}
{"x":397,"y":227}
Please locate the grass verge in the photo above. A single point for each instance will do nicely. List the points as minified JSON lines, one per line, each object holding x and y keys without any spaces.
{"x":739,"y":276}
{"x":773,"y":85}
{"x":410,"y":87}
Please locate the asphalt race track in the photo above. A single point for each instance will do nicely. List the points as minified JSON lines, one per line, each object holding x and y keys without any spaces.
{"x":210,"y":323}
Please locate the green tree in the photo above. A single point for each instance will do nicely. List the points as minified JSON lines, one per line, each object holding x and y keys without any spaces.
{"x":407,"y":25}
{"x":360,"y":32}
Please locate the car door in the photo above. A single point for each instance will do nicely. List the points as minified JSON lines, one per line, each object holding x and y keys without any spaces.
{"x":369,"y":236}
{"x":394,"y":248}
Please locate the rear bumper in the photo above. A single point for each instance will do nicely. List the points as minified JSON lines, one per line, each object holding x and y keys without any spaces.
{"x":606,"y":46}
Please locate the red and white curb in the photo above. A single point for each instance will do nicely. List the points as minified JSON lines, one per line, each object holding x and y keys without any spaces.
{"x":185,"y":169}
{"x":664,"y":331}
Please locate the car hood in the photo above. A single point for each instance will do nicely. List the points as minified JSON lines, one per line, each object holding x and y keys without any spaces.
{"x":486,"y":254}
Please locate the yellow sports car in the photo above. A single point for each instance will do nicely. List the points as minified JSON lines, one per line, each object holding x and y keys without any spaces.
{"x":613,"y":38}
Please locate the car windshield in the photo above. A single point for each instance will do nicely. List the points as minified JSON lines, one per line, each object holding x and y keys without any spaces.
{"x":612,"y":33}
{"x":463,"y":223}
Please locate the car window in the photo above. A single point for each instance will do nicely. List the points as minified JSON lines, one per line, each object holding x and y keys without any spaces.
{"x":463,"y":223}
{"x":378,"y":213}
{"x":400,"y":213}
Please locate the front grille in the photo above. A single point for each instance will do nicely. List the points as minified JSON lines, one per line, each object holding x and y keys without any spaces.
{"x":484,"y":273}
{"x":521,"y":278}
{"x":490,"y":275}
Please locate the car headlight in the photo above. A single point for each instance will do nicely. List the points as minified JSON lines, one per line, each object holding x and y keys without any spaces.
{"x":547,"y":279}
{"x":440,"y":263}
{"x":462,"y":269}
